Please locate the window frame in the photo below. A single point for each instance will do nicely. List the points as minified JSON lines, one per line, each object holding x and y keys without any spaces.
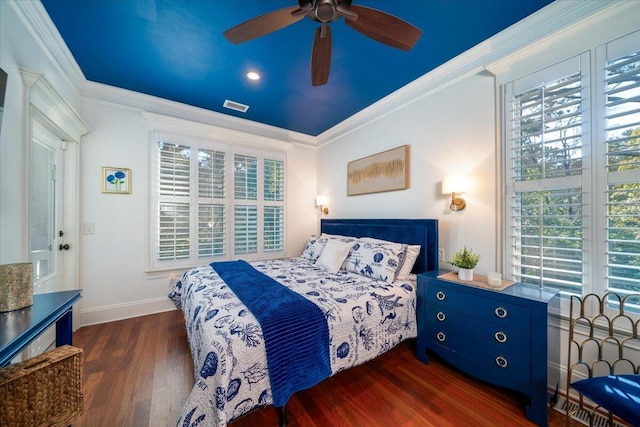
{"x":195,"y":200}
{"x":595,"y":178}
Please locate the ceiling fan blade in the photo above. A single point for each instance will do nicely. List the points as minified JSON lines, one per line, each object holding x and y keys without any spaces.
{"x":263,"y":24}
{"x":384,"y":28}
{"x":321,"y":56}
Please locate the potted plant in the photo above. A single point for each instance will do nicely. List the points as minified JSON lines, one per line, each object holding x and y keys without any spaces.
{"x":466,"y":261}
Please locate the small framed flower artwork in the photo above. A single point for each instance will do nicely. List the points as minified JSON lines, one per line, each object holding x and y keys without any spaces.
{"x":116,"y":180}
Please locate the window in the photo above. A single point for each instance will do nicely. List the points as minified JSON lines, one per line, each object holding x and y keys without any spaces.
{"x":573,"y":172}
{"x":622,"y":141}
{"x":215,"y":202}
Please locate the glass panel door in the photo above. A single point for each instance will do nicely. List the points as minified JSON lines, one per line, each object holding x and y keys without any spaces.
{"x":46,"y":209}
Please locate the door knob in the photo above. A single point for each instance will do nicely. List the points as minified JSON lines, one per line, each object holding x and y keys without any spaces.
{"x":64,"y":247}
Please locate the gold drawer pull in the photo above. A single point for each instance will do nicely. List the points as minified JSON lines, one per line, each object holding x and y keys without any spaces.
{"x":501,"y":337}
{"x":501,"y":362}
{"x":441,"y":316}
{"x":440,"y":296}
{"x":501,"y":312}
{"x":441,"y":336}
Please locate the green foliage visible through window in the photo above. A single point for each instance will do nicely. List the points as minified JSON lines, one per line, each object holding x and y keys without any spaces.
{"x":623,"y":163}
{"x":574,"y":177}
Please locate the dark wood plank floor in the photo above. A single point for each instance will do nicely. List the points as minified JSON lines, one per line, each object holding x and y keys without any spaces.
{"x":138,"y":372}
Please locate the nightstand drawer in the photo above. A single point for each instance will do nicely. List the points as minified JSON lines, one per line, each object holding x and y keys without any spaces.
{"x":499,"y":312}
{"x":498,"y":363}
{"x":501,"y":337}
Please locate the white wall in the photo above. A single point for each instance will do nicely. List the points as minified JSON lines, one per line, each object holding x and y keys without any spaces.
{"x":18,"y":50}
{"x":114,"y":260}
{"x":449,"y":131}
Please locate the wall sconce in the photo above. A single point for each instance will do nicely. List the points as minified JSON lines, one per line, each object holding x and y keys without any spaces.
{"x":322,"y":202}
{"x":456,"y":184}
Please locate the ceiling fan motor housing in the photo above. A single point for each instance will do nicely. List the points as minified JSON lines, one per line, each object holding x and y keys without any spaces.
{"x":325,"y":10}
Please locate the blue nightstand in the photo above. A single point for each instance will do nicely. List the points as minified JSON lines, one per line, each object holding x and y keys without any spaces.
{"x":509,"y":338}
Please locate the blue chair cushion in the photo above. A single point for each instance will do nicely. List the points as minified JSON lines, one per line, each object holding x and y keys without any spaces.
{"x":619,"y":394}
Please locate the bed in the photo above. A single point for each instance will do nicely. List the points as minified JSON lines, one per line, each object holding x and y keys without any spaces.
{"x":248,"y":353}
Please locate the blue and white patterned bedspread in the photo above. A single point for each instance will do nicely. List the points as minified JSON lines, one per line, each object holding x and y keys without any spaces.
{"x":365,"y":317}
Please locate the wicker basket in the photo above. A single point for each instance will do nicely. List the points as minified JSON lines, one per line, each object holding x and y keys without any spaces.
{"x":43,"y":391}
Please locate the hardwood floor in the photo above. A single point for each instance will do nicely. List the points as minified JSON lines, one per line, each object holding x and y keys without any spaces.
{"x":138,"y":372}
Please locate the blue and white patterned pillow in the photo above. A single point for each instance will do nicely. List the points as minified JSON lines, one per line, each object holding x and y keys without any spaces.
{"x":378,"y":260}
{"x":314,"y":248}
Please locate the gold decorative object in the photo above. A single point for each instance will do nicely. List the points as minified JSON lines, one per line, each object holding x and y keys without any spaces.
{"x":603,"y":331}
{"x":16,"y":286}
{"x":452,"y":184}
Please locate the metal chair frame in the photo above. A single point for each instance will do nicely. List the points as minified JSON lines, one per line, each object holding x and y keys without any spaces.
{"x":600,"y":344}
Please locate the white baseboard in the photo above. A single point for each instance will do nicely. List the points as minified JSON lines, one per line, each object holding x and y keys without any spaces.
{"x":111,"y":313}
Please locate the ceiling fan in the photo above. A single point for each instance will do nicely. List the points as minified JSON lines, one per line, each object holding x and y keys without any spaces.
{"x":378,"y":25}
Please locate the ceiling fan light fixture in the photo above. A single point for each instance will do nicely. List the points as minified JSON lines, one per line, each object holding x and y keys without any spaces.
{"x":325,"y":10}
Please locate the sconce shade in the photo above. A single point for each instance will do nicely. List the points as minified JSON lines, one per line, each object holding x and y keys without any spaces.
{"x":322,"y":200}
{"x":456,"y":184}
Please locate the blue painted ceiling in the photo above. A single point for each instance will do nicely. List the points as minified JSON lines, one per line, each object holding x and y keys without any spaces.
{"x":174,"y":49}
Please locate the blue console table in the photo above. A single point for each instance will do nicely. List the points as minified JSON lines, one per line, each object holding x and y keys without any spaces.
{"x":19,"y":328}
{"x":508,"y":338}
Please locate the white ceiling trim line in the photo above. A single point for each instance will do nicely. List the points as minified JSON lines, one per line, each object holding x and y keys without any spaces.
{"x":171,"y":124}
{"x":539,"y":25}
{"x":154,"y":104}
{"x":616,"y":19}
{"x":35,"y":18}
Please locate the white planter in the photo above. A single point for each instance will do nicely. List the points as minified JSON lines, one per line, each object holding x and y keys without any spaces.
{"x":465,"y":274}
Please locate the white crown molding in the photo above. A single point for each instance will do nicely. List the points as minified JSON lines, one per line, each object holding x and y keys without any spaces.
{"x":548,"y":20}
{"x":38,"y":22}
{"x":165,"y":107}
{"x":171,"y":124}
{"x":44,"y":97}
{"x":580,"y":32}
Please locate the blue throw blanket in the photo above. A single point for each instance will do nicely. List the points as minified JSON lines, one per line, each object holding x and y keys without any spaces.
{"x":295,"y":330}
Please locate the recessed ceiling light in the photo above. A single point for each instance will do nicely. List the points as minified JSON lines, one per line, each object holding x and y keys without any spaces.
{"x":252,"y":75}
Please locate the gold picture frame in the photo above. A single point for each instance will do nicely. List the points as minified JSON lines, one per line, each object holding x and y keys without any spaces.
{"x":385,"y":171}
{"x":116,"y":180}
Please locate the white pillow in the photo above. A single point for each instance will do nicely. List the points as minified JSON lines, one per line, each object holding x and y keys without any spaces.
{"x":410,"y":259}
{"x":333,"y":254}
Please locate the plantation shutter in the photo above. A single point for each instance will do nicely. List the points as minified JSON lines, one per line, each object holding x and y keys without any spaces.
{"x":544,"y":169}
{"x":245,"y":178}
{"x":174,"y":201}
{"x":245,"y":234}
{"x":213,"y":201}
{"x":273,"y":196}
{"x":622,"y":128}
{"x":211,"y":204}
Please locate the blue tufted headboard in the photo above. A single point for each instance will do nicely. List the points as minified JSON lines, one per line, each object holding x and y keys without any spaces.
{"x":423,"y":232}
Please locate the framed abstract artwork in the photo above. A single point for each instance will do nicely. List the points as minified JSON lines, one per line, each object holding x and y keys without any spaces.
{"x":385,"y":171}
{"x":116,"y":180}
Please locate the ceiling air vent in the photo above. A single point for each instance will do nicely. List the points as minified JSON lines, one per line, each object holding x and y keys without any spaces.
{"x":235,"y":106}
